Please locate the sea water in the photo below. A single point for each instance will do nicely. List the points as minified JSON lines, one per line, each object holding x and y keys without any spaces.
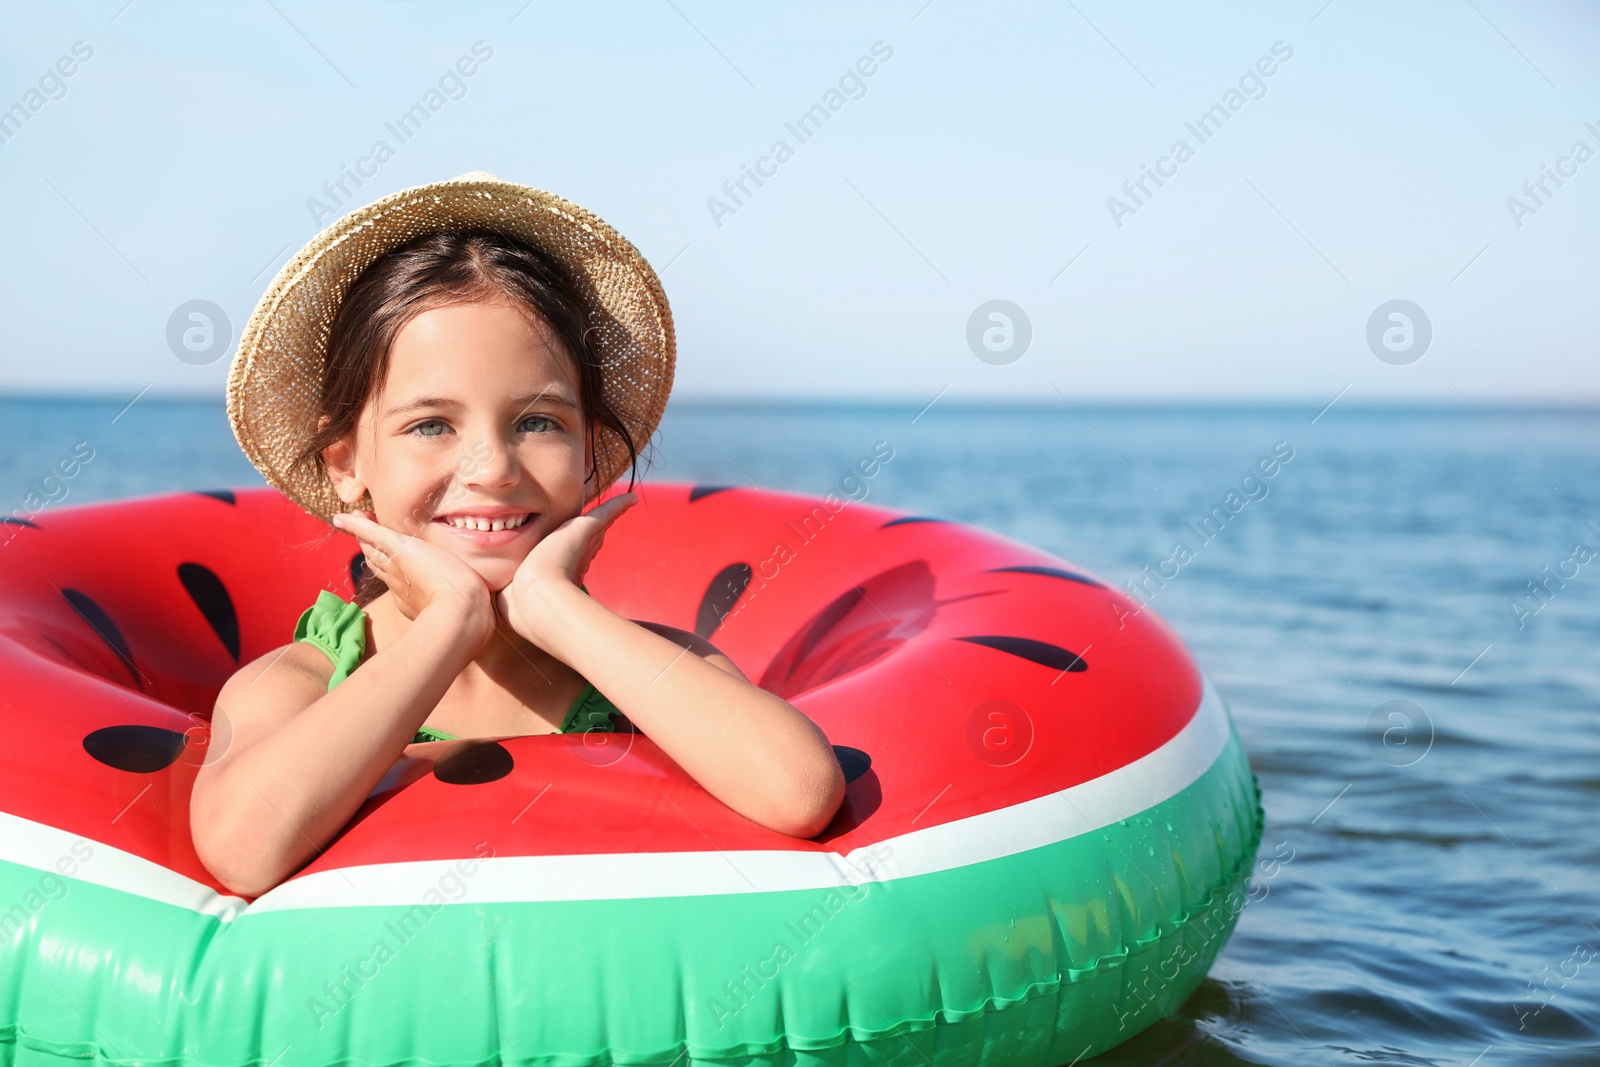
{"x":1404,"y":616}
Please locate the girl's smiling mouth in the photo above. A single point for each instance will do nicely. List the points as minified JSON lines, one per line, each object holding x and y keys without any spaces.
{"x":488,"y":527}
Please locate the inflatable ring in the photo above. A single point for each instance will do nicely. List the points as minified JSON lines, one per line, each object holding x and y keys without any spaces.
{"x":1046,"y":840}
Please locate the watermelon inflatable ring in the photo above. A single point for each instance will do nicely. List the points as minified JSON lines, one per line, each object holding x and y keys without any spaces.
{"x":1047,"y":837}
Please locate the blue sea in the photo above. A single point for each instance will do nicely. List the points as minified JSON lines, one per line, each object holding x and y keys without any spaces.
{"x":1426,"y":730}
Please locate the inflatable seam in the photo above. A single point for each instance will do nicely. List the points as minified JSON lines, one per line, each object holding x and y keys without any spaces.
{"x":1164,"y":930}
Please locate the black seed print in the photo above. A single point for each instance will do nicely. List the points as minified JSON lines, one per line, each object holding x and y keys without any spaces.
{"x":475,"y":764}
{"x":906,"y":520}
{"x":211,"y":597}
{"x":20,"y":522}
{"x":705,"y":490}
{"x":1049,"y":572}
{"x":720,"y":597}
{"x":358,"y":570}
{"x":852,"y":761}
{"x":101,"y":623}
{"x":1046,"y":655}
{"x":224,"y":495}
{"x":857,"y":627}
{"x":136,"y":749}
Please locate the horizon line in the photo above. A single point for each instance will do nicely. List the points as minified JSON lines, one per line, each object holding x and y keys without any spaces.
{"x":759,"y":400}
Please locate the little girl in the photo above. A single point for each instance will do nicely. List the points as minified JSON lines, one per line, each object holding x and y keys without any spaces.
{"x":484,"y":359}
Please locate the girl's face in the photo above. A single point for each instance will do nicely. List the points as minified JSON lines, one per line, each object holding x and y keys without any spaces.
{"x":474,"y":441}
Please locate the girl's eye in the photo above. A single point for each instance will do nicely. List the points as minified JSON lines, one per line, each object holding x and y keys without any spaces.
{"x":531,"y":424}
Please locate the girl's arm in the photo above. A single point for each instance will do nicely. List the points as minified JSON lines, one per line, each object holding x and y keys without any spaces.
{"x":300,"y":761}
{"x":296,"y":769}
{"x":694,"y":643}
{"x":752,"y":750}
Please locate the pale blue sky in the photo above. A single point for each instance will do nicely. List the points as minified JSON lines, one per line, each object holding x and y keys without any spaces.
{"x":976,"y":165}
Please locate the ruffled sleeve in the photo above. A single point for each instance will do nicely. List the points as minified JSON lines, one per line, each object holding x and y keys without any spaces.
{"x":590,"y":713}
{"x":338,"y":628}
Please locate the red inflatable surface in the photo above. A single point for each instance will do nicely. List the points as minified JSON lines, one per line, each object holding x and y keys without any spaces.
{"x":932,"y":654}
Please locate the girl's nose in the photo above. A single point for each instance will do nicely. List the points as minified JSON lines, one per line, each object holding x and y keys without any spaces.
{"x":489,"y":464}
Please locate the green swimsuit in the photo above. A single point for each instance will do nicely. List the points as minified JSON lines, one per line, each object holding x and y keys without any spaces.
{"x":338,"y":628}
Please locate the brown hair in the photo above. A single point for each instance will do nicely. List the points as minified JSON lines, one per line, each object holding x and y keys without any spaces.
{"x":441,"y":269}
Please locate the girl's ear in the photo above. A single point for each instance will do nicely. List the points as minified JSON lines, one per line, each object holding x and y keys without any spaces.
{"x":340,"y":460}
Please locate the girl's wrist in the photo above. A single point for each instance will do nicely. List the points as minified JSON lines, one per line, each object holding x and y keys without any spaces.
{"x":458,"y":618}
{"x":541,"y":603}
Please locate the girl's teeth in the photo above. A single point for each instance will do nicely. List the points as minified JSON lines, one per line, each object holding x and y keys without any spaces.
{"x":467,"y":522}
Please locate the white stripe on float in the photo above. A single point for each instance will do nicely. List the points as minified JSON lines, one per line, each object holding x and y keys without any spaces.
{"x":1046,"y":820}
{"x":52,"y":850}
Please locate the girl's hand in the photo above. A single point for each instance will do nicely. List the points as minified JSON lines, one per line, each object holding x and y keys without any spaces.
{"x":419,"y":574}
{"x":563,"y":556}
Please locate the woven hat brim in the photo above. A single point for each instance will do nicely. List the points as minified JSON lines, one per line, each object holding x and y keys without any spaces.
{"x":274,"y":383}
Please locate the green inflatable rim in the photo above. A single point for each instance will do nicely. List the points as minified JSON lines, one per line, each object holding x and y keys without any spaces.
{"x":1037,"y":956}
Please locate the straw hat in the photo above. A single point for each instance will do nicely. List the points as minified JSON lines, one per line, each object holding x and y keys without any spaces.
{"x":275,"y":382}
